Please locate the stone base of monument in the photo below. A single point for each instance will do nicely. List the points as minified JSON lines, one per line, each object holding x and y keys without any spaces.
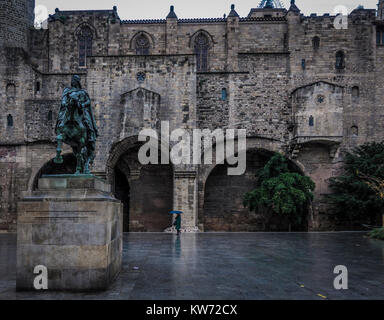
{"x":72,"y":225}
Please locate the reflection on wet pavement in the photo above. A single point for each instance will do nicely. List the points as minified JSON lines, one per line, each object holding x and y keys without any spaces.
{"x":229,"y":266}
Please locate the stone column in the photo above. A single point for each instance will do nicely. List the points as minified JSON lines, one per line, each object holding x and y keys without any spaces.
{"x":185,"y":199}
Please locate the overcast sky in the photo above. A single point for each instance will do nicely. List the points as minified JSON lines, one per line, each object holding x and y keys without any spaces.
{"x":158,"y":9}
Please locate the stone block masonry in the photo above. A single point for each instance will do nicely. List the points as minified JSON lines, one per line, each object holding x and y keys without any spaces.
{"x":72,"y":225}
{"x":273,"y":73}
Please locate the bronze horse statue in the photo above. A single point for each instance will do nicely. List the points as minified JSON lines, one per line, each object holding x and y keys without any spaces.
{"x":76,"y":127}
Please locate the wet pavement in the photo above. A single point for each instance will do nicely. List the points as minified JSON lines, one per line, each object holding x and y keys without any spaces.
{"x":229,"y":266}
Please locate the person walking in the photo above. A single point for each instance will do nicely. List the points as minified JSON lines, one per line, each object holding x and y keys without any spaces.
{"x":177,"y":223}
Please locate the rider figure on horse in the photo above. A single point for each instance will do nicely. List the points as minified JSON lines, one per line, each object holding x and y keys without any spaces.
{"x":77,"y":127}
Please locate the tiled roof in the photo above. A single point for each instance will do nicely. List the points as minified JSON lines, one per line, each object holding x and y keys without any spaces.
{"x":201,"y":20}
{"x":149,"y":21}
{"x":263,"y":19}
{"x":70,"y":12}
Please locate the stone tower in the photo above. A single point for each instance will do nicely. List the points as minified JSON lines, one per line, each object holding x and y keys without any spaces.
{"x":380,"y":10}
{"x":16,"y":17}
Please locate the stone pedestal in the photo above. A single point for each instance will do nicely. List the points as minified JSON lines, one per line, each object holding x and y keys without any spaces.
{"x":72,"y":225}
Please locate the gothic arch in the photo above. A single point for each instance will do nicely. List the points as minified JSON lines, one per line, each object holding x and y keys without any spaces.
{"x":132,"y":44}
{"x":85,"y":25}
{"x":254,"y":144}
{"x":271,"y":145}
{"x":85,"y":35}
{"x":146,"y":191}
{"x":117,"y":150}
{"x":201,"y":44}
{"x":201,"y":31}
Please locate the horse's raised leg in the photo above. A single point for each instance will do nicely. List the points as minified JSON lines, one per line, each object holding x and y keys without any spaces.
{"x":59,"y":158}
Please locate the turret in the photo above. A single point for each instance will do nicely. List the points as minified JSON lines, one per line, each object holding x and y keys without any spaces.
{"x":380,"y":10}
{"x":16,"y":17}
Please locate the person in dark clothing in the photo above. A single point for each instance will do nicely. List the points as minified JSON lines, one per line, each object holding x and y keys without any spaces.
{"x":177,"y":223}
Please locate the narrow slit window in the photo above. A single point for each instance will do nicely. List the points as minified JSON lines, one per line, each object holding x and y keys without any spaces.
{"x":224,"y":94}
{"x":355,"y":131}
{"x":340,"y":60}
{"x":316,"y":43}
{"x":311,"y":121}
{"x":355,"y":92}
{"x":9,"y":121}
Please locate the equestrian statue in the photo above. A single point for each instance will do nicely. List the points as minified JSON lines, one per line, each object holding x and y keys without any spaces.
{"x":76,"y":126}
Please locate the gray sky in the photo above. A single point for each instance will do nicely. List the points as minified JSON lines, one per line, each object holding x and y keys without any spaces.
{"x":158,"y":9}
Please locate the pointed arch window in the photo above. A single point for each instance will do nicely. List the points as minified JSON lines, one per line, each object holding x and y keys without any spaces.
{"x":142,"y":45}
{"x":355,"y":92}
{"x":311,"y":121}
{"x":316,"y":43}
{"x":11,"y":90}
{"x":224,"y":94}
{"x":355,"y":131}
{"x":380,"y":35}
{"x":9,"y":121}
{"x":340,"y":60}
{"x":201,"y":50}
{"x":85,"y":38}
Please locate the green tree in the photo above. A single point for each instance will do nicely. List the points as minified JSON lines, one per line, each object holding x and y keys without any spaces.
{"x":353,"y":193}
{"x":281,"y":191}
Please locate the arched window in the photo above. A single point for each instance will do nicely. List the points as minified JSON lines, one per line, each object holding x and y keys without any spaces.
{"x":50,"y":115}
{"x":316,"y":43}
{"x":340,"y":60}
{"x":311,"y":121}
{"x":9,"y":121}
{"x":355,"y":92}
{"x":85,"y":37}
{"x":142,"y":45}
{"x":303,"y":64}
{"x":11,"y":90}
{"x":201,"y":51}
{"x":224,"y":94}
{"x":37,"y":88}
{"x":380,"y":36}
{"x":354,"y":131}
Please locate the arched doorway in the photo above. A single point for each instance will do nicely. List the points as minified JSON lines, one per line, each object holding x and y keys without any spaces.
{"x":223,"y":208}
{"x":145,"y":190}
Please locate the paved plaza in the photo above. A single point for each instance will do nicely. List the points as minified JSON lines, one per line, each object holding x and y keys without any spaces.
{"x":229,"y":266}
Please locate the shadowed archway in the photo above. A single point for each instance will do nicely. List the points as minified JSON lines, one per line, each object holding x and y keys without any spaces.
{"x":145,"y":190}
{"x":223,"y":208}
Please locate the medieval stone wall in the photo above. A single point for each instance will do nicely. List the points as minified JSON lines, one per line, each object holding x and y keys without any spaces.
{"x":268,"y":73}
